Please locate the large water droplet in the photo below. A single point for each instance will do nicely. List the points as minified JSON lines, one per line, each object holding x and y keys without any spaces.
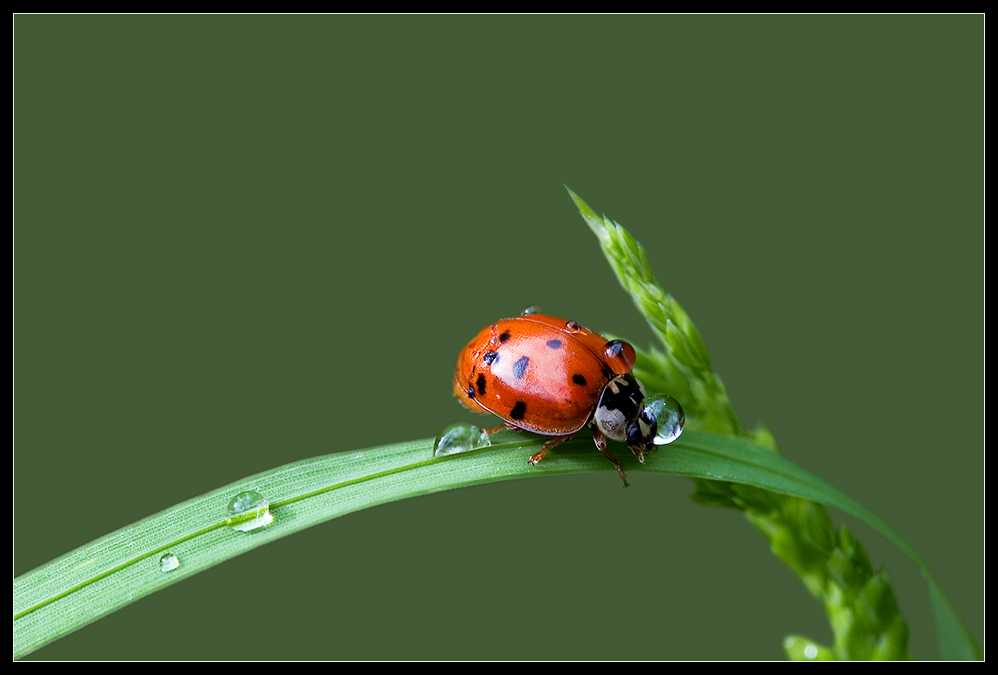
{"x":168,"y":562}
{"x":248,"y":510}
{"x":460,"y":438}
{"x":670,"y":416}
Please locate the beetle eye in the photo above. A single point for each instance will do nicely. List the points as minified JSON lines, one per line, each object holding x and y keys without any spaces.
{"x":620,"y":355}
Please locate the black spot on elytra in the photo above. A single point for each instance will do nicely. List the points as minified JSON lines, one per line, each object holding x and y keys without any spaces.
{"x":554,"y":344}
{"x":579,"y":380}
{"x":520,"y":367}
{"x":490,"y":357}
{"x":518,"y":410}
{"x":504,"y":337}
{"x":480,"y":383}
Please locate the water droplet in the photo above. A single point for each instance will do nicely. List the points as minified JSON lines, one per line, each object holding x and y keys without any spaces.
{"x":168,"y":562}
{"x":533,"y":309}
{"x":248,"y":510}
{"x":811,"y":651}
{"x":670,"y":416}
{"x":460,"y":438}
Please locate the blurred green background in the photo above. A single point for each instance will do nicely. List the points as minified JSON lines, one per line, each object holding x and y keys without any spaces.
{"x":244,"y":241}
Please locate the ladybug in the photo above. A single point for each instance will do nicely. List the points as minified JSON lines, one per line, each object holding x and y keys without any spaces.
{"x":553,"y":377}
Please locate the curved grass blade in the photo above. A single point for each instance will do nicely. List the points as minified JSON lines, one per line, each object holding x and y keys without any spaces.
{"x":111,"y":572}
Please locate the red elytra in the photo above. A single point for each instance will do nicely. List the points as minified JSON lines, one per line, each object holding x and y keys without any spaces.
{"x":541,"y":374}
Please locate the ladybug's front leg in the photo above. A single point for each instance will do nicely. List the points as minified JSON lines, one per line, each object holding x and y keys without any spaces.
{"x":600,"y":440}
{"x":547,"y":446}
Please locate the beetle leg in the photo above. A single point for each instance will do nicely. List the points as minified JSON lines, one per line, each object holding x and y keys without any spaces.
{"x":637,"y":452}
{"x":547,"y":446}
{"x":600,"y":440}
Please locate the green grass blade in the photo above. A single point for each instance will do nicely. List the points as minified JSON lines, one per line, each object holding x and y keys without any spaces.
{"x":955,"y":642}
{"x":111,"y":572}
{"x":738,"y":460}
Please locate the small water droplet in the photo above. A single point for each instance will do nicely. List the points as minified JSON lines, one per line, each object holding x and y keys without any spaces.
{"x":168,"y":562}
{"x":670,"y":416}
{"x":460,"y":438}
{"x":801,"y":648}
{"x":248,"y":510}
{"x":533,"y":309}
